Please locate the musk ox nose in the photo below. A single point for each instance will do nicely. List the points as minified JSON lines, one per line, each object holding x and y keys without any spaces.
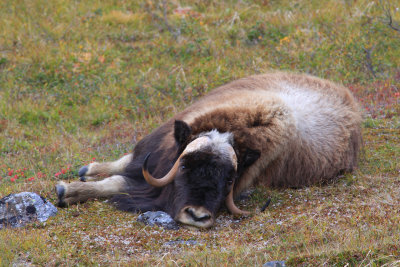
{"x":197,"y":216}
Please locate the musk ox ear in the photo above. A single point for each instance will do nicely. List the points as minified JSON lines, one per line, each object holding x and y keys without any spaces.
{"x":182,"y":132}
{"x":249,"y":157}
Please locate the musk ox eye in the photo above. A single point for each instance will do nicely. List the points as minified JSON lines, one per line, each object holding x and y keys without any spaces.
{"x":229,"y":181}
{"x":183,"y":167}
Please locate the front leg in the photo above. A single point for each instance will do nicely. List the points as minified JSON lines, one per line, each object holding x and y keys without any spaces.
{"x":77,"y":192}
{"x":97,"y":170}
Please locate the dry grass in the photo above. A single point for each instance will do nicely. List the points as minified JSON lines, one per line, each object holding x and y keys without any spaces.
{"x":80,"y":80}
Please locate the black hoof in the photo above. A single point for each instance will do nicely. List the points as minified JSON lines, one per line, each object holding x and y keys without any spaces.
{"x":60,"y":191}
{"x":82,"y":171}
{"x":61,"y":204}
{"x":82,"y":178}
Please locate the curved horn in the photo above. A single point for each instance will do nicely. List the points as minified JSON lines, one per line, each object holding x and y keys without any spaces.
{"x":168,"y":178}
{"x":232,"y":207}
{"x":233,"y":156}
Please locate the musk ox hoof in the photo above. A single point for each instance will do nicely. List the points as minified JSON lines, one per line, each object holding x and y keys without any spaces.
{"x":60,"y":191}
{"x":82,"y":171}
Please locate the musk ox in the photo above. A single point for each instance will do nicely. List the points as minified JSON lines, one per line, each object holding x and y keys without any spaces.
{"x":277,"y":129}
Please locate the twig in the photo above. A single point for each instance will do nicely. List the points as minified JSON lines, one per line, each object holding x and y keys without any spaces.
{"x":164,"y":19}
{"x":387,"y":9}
{"x":164,"y":3}
{"x":154,"y":16}
{"x":368,"y":59}
{"x":234,"y":18}
{"x":265,"y":205}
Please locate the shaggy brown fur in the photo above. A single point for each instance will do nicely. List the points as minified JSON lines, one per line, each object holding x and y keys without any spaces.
{"x":252,"y":109}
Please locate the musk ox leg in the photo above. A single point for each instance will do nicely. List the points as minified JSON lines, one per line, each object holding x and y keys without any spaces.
{"x":76,"y":192}
{"x":96,"y":170}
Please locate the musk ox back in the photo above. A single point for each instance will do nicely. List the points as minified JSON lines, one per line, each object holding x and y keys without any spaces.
{"x":307,"y":129}
{"x":277,"y":129}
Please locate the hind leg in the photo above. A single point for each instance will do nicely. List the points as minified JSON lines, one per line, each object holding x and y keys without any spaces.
{"x":77,"y":192}
{"x":96,"y":170}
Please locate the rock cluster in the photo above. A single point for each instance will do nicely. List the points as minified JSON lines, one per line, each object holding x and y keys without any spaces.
{"x":16,"y":210}
{"x":159,"y":218}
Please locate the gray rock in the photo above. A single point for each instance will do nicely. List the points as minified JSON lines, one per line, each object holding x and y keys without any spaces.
{"x":275,"y":264}
{"x":181,"y":242}
{"x":159,"y":218}
{"x":16,"y":210}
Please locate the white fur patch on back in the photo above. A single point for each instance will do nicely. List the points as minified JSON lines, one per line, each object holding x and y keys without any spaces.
{"x":312,"y":112}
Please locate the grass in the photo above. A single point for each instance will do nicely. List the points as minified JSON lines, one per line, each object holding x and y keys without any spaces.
{"x":79,"y":80}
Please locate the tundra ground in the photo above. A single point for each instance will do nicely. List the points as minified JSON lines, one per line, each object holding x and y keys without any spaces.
{"x":84,"y":80}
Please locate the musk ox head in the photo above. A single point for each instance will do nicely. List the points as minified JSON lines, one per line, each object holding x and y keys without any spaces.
{"x":203,"y":176}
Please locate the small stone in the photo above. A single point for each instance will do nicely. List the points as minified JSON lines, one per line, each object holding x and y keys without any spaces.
{"x":275,"y":264}
{"x":16,"y":210}
{"x":159,"y":218}
{"x":181,"y":242}
{"x":245,"y":195}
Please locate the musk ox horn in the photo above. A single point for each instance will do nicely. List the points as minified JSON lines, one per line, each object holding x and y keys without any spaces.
{"x":233,"y":157}
{"x":168,"y":178}
{"x":232,"y":208}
